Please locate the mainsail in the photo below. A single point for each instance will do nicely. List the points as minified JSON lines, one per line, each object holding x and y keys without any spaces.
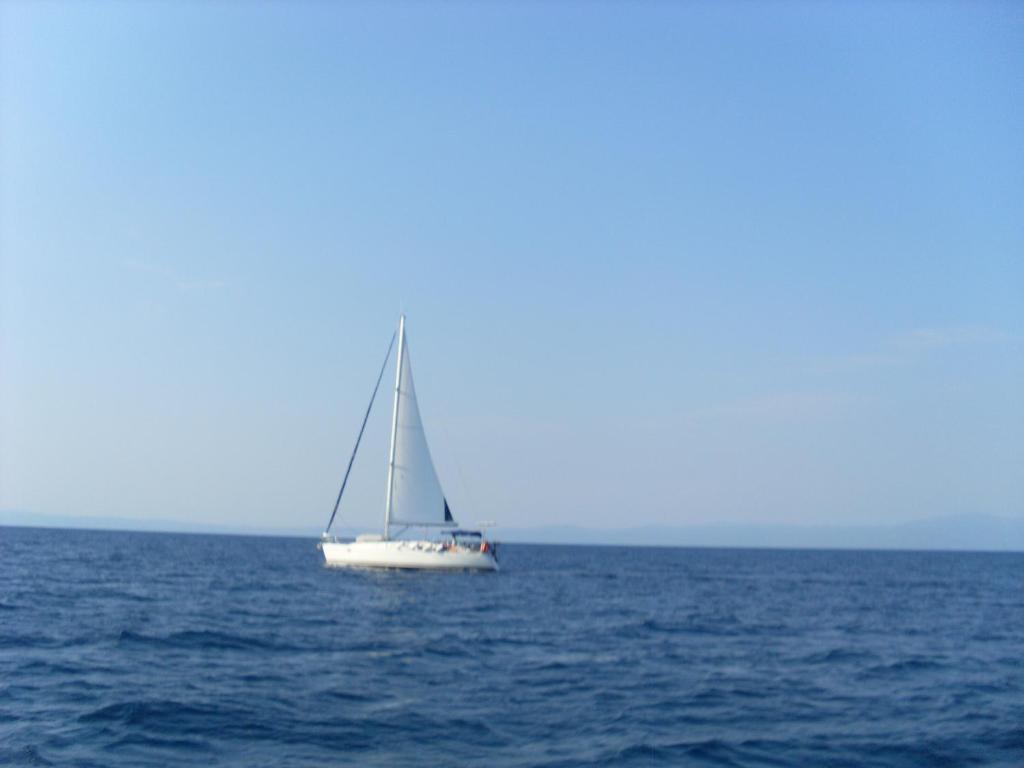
{"x":415,"y":496}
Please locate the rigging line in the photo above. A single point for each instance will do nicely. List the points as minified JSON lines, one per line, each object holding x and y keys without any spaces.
{"x":376,"y":386}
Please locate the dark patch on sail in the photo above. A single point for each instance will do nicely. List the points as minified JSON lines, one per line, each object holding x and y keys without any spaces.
{"x":448,"y":513}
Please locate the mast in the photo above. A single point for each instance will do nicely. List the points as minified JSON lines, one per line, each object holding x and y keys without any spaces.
{"x":394,"y":427}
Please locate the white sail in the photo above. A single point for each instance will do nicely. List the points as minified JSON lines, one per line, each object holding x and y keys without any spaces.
{"x":416,"y":495}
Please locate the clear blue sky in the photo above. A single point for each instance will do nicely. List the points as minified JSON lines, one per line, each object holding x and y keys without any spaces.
{"x":663,"y":263}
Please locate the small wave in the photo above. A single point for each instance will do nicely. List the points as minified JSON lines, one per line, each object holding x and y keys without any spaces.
{"x":39,"y":640}
{"x":151,"y":742}
{"x":107,"y":593}
{"x":837,"y":656}
{"x":717,"y":696}
{"x":144,"y":712}
{"x":553,"y":666}
{"x":444,"y":650}
{"x":49,"y":667}
{"x":201,"y":640}
{"x":1011,"y":739}
{"x":27,"y":755}
{"x":904,"y":665}
{"x":689,"y":626}
{"x":347,"y":696}
{"x":714,"y":751}
{"x":33,"y":640}
{"x":261,"y":677}
{"x":509,"y":641}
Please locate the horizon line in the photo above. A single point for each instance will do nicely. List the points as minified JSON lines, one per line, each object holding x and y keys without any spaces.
{"x":631,"y":545}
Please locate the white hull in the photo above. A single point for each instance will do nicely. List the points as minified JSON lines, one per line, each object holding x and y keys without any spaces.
{"x":425,"y":555}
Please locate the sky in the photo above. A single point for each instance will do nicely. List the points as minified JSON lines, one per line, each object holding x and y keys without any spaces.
{"x":663,"y":263}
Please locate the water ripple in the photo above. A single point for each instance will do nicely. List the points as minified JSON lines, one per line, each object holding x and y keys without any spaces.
{"x":153,"y":650}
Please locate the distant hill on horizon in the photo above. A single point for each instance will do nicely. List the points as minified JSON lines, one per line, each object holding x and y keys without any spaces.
{"x":961,"y":532}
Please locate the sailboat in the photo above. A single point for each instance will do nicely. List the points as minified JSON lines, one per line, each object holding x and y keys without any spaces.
{"x":414,"y":500}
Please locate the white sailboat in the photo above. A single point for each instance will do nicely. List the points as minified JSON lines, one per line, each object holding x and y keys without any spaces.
{"x":414,"y":498}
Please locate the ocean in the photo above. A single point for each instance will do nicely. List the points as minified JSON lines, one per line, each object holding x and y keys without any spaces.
{"x":143,"y":649}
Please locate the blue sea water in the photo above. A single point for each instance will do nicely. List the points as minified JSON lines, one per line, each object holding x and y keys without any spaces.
{"x":140,"y":649}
